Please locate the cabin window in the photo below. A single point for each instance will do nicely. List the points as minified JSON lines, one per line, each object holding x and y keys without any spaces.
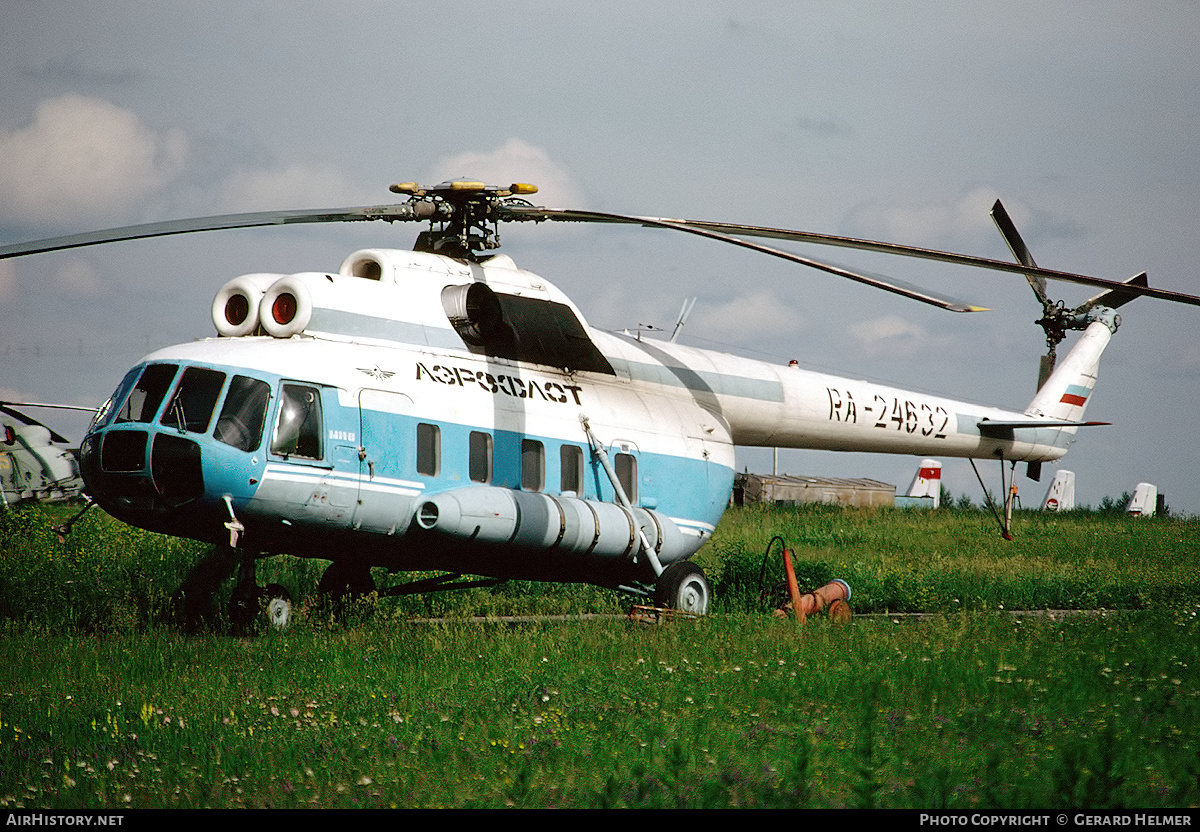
{"x":533,"y":465}
{"x":244,"y":413}
{"x":191,"y":408}
{"x":625,"y":466}
{"x":299,"y":429}
{"x":429,"y":449}
{"x":480,"y":462}
{"x":570,"y":460}
{"x":147,"y":394}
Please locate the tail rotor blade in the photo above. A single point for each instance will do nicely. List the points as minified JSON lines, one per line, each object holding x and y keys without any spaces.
{"x":1008,"y":229}
{"x":1115,"y":297}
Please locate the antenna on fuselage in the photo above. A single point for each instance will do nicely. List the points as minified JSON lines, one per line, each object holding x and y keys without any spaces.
{"x":688,"y":305}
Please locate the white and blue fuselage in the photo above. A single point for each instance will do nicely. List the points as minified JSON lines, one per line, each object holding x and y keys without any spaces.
{"x":419,"y":412}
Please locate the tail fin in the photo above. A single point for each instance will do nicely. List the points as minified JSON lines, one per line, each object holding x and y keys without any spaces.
{"x":1060,"y":496}
{"x":1066,"y":393}
{"x":928,"y":481}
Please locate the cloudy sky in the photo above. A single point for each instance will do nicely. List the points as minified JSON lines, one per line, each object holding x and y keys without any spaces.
{"x":896,"y":121}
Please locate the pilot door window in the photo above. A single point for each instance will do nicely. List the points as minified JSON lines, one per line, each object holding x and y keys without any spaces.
{"x":244,"y":413}
{"x":298,"y":430}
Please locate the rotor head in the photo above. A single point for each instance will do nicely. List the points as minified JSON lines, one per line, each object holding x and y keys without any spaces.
{"x":464,"y":216}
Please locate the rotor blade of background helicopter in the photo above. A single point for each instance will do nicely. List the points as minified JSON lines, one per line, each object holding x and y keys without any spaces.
{"x":401,"y":211}
{"x":888,"y":284}
{"x":850,"y":242}
{"x":29,"y":420}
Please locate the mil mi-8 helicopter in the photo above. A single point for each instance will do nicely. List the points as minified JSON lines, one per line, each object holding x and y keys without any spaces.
{"x":441,"y":409}
{"x":36,"y":463}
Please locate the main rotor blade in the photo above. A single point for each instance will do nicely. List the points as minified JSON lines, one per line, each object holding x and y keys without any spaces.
{"x":850,"y":242}
{"x":1008,"y":230}
{"x":888,"y":284}
{"x":391,"y":213}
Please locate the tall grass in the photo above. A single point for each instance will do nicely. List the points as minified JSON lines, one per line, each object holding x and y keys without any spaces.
{"x":108,"y":700}
{"x":109,"y":577}
{"x":945,"y":561}
{"x":971,"y":711}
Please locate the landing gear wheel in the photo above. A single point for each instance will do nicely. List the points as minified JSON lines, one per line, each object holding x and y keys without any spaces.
{"x":343,"y":584}
{"x":278,"y":606}
{"x":682,"y":586}
{"x":244,"y":603}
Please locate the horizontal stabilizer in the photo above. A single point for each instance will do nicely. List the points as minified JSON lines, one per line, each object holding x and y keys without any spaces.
{"x":990,"y":427}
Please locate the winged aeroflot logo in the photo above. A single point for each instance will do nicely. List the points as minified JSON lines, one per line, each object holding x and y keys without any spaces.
{"x":377,"y":373}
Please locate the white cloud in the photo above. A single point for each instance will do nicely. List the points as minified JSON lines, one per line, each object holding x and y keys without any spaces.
{"x":889,"y":335}
{"x":79,"y":278}
{"x":761,"y":312}
{"x":8,"y":281}
{"x":513,"y":161}
{"x":935,"y":223}
{"x":291,"y":186}
{"x":84,"y":161}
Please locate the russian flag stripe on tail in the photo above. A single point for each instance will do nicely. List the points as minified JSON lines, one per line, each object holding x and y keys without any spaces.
{"x":1076,"y":395}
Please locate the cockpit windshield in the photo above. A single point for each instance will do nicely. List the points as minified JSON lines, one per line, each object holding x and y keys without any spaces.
{"x":191,"y":408}
{"x":147,"y":394}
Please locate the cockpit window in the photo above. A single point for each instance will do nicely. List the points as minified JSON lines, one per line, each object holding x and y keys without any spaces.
{"x":241,"y":421}
{"x":298,"y":431}
{"x":191,"y":408}
{"x":147,"y":394}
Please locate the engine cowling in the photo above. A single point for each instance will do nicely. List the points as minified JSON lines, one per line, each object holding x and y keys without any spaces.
{"x":235,"y":309}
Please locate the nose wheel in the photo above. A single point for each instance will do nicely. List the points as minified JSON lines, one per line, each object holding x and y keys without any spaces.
{"x":682,"y":586}
{"x":251,"y":604}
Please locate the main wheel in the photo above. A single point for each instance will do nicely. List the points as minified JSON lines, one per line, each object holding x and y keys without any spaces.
{"x":682,"y":586}
{"x":342,"y":589}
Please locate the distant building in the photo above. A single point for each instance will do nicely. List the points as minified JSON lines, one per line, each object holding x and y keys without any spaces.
{"x":789,"y":489}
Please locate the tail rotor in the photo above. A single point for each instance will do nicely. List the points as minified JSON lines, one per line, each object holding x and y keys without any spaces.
{"x":1056,"y":319}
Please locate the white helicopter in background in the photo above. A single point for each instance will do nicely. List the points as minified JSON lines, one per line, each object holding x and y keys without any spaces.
{"x":442,"y":409}
{"x":36,"y":463}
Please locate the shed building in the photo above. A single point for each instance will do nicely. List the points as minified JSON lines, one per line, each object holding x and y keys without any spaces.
{"x":792,"y":489}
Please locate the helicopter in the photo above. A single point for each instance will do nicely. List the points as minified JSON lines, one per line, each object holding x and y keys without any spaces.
{"x":36,"y":462}
{"x":442,"y":410}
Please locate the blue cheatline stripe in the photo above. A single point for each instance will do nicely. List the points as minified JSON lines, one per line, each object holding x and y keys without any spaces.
{"x":701,"y":381}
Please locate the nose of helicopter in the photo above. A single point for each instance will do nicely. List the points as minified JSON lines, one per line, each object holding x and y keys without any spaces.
{"x":168,"y":463}
{"x":142,"y":470}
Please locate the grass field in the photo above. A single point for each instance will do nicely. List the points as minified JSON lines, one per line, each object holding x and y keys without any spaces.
{"x":108,"y":702}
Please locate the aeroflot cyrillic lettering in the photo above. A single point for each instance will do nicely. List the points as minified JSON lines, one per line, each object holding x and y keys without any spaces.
{"x":517,"y":388}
